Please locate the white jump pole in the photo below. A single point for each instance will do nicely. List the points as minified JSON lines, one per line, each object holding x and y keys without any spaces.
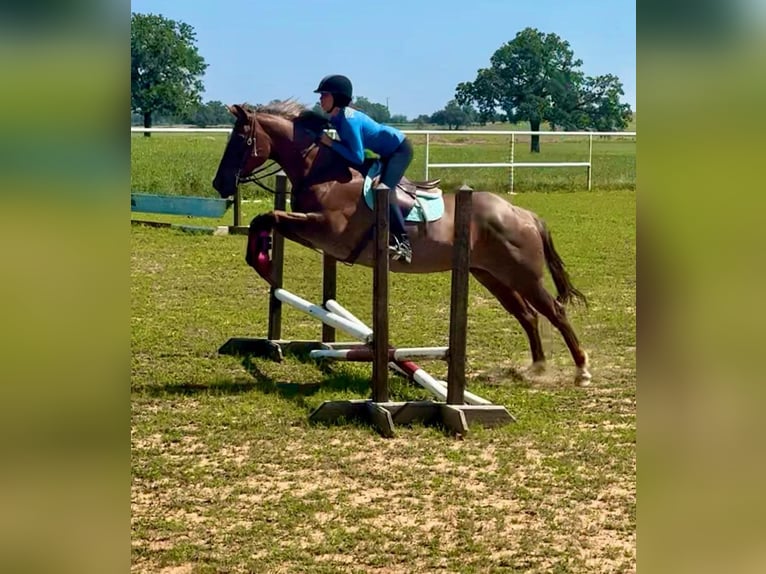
{"x":329,"y":318}
{"x":339,"y":309}
{"x":407,"y":368}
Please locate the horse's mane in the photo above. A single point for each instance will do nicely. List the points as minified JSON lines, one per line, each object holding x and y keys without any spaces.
{"x":292,"y":110}
{"x":288,"y":109}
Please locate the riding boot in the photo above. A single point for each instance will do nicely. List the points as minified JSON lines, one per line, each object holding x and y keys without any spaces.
{"x":398,"y":242}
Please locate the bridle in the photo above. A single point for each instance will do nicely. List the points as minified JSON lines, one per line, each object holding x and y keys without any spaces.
{"x":251,"y":150}
{"x":264,"y":171}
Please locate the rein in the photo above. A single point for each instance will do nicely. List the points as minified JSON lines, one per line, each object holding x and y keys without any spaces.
{"x":257,"y":175}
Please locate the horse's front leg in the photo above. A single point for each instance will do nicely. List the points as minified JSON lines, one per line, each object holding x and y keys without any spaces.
{"x":288,"y":224}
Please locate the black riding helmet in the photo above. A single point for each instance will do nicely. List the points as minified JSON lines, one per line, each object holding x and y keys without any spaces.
{"x":339,"y":86}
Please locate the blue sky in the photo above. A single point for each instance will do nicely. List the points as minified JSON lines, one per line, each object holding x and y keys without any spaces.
{"x":409,"y":53}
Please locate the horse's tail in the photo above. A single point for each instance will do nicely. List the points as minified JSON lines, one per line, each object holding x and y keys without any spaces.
{"x":566,"y":290}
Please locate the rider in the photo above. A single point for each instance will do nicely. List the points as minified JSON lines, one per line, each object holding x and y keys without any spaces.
{"x":358,"y":132}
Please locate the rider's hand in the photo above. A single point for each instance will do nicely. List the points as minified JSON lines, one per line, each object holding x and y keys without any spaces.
{"x":326,"y":140}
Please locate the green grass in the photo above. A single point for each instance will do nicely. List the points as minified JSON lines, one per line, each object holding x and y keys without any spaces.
{"x":228,"y":475}
{"x":185,"y":164}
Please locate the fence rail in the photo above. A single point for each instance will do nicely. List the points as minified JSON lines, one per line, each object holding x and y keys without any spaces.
{"x":428,"y":133}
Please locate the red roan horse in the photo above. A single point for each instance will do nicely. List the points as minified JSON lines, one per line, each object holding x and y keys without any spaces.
{"x":510,"y":246}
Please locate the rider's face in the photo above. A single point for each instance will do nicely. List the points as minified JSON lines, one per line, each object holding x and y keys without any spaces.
{"x":326,"y":101}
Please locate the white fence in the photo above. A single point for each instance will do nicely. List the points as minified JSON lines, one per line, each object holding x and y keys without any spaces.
{"x":512,"y":164}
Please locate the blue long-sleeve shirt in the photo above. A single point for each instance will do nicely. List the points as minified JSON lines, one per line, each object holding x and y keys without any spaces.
{"x":358,"y":132}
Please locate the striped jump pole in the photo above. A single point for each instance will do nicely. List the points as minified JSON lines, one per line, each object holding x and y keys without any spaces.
{"x":407,"y":368}
{"x":363,"y":354}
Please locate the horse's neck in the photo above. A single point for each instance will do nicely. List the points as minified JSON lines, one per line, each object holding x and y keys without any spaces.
{"x":311,"y":170}
{"x":284,"y":150}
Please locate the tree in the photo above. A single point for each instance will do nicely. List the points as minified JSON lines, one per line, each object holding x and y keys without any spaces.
{"x":165,"y":67}
{"x":378,"y":112}
{"x":398,"y":119}
{"x":453,"y":115}
{"x":536,"y":78}
{"x":422,"y":120}
{"x":604,"y":111}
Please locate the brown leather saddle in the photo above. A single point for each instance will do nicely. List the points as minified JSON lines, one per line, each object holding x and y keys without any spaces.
{"x":407,"y":191}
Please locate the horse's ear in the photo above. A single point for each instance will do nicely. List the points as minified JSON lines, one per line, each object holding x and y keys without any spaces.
{"x":237,"y":111}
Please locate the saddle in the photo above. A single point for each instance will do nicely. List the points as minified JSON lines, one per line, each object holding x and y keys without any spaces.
{"x":408,"y":192}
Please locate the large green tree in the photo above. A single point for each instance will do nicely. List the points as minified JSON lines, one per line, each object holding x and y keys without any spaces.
{"x":536,"y":78}
{"x":165,"y":67}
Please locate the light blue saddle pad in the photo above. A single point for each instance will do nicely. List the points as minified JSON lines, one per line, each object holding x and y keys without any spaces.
{"x":425,"y":208}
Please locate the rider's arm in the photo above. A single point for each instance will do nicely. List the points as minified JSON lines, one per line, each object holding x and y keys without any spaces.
{"x":350,"y":145}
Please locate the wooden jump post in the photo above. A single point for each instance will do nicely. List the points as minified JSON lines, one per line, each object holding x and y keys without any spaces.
{"x":380,"y":300}
{"x":458,"y":316}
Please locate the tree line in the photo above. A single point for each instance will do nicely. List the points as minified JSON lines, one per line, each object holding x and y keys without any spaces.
{"x":533,"y":78}
{"x":214,"y":113}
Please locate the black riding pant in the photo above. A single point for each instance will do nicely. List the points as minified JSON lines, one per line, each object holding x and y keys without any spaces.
{"x":394,"y":167}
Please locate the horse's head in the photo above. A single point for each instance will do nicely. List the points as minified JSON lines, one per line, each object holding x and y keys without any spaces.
{"x":248,"y":148}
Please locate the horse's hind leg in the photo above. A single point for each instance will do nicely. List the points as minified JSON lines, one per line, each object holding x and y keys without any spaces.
{"x":554,"y":311}
{"x":515,"y":304}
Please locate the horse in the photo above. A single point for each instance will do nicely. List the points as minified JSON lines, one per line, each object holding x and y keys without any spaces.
{"x":509,"y":246}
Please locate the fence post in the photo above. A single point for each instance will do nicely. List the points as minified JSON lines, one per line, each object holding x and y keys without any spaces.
{"x":513,"y":151}
{"x":458,"y":323}
{"x":590,"y":160}
{"x":277,"y":258}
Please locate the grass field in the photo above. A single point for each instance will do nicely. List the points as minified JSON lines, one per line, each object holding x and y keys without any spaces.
{"x":228,"y":475}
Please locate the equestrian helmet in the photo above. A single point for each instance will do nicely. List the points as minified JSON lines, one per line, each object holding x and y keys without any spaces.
{"x":339,"y":86}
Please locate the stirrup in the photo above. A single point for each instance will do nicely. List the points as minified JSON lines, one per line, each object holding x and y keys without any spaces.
{"x":395,"y":248}
{"x":400,"y":250}
{"x":405,"y":250}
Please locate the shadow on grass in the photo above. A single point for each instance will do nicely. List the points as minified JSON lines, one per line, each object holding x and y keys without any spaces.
{"x":191,"y":389}
{"x":339,"y":382}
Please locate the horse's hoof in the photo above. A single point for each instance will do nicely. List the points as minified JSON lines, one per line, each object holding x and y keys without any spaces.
{"x":537,"y":368}
{"x":583,"y":378}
